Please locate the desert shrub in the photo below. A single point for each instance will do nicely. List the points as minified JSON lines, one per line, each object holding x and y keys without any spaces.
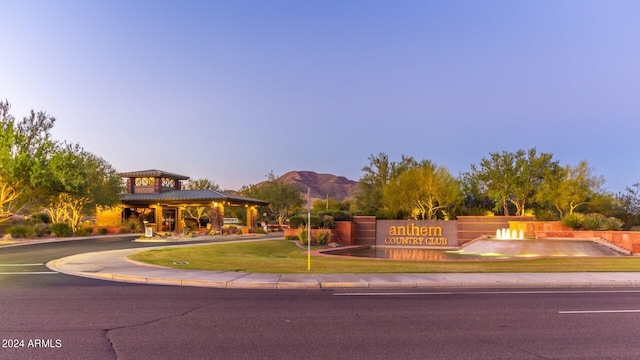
{"x":316,"y":222}
{"x":133,"y":225}
{"x":614,"y":224}
{"x":546,"y":215}
{"x":341,"y":216}
{"x":328,"y":222}
{"x":124,"y":230}
{"x":322,"y":237}
{"x":41,"y":229}
{"x":41,"y":217}
{"x":296,"y":221}
{"x":594,"y":221}
{"x":291,"y":237}
{"x":574,"y":221}
{"x":103,"y":230}
{"x":260,"y":230}
{"x":303,"y":236}
{"x":83,"y":231}
{"x":61,"y":229}
{"x":22,"y":231}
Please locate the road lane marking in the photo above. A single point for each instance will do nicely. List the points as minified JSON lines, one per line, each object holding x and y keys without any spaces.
{"x":487,"y":292}
{"x":29,"y":273}
{"x":597,"y":311}
{"x":10,"y":265}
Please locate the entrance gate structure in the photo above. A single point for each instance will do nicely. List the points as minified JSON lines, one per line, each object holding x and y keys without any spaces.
{"x":158,"y":198}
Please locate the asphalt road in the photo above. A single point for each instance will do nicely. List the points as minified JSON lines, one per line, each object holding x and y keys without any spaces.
{"x":55,"y":316}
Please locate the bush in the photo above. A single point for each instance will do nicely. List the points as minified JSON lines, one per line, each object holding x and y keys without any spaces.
{"x":260,"y":230}
{"x":42,"y":217}
{"x":614,"y":224}
{"x":124,"y":231}
{"x":83,"y":231}
{"x":61,"y":229}
{"x":341,"y":216}
{"x":574,"y":221}
{"x":322,"y":237}
{"x":303,"y":235}
{"x":316,"y":222}
{"x":41,"y":229}
{"x":328,"y":222}
{"x":22,"y":231}
{"x":103,"y":231}
{"x":297,"y":221}
{"x":594,"y":221}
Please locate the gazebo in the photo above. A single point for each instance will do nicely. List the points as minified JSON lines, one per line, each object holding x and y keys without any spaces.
{"x":158,"y":198}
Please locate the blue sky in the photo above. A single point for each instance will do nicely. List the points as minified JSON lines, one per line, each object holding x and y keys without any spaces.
{"x":231,"y":90}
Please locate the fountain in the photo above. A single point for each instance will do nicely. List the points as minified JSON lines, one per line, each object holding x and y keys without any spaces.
{"x":505,"y":234}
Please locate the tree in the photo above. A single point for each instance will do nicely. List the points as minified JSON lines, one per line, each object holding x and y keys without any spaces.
{"x":375,"y":178}
{"x":78,"y":182}
{"x":512,"y":178}
{"x":573,"y":187}
{"x":284,"y":199}
{"x":201,"y":184}
{"x":25,"y":147}
{"x":423,"y":191}
{"x":199,"y":212}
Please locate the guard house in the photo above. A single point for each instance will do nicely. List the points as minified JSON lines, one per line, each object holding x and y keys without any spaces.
{"x":158,"y":198}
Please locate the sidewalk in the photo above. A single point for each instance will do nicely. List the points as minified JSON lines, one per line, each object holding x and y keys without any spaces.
{"x":114,"y":266}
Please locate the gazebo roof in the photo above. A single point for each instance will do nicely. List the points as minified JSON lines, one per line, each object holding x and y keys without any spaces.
{"x":153,"y":173}
{"x":183,"y":196}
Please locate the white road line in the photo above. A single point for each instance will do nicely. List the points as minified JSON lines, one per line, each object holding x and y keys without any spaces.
{"x":11,"y":265}
{"x":29,"y":273}
{"x":487,"y":292}
{"x":597,"y":311}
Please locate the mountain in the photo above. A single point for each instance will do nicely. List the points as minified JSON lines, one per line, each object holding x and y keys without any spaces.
{"x":321,"y":185}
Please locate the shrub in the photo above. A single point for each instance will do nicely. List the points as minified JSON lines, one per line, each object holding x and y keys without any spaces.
{"x":297,"y":221}
{"x":303,"y":236}
{"x":134,"y":225}
{"x":316,"y":222}
{"x":124,"y":230}
{"x":103,"y":231}
{"x":83,"y":231}
{"x":41,"y":229}
{"x":594,"y":221}
{"x":328,"y":222}
{"x":42,"y":217}
{"x":322,"y":237}
{"x":260,"y":230}
{"x":614,"y":224}
{"x":22,"y":231}
{"x":574,"y":221}
{"x":61,"y":229}
{"x":341,"y":216}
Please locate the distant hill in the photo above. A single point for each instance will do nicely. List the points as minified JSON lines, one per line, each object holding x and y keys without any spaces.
{"x":321,"y":185}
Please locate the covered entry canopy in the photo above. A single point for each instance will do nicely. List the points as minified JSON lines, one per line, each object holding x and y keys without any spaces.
{"x":158,"y":197}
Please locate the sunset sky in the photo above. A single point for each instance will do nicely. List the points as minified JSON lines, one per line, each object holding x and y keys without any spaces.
{"x":231,"y":90}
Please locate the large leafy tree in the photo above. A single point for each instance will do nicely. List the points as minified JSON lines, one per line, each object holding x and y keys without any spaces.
{"x":512,"y":178}
{"x":25,"y":147}
{"x":377,"y":175}
{"x":201,"y":184}
{"x":284,"y":199}
{"x":574,"y":186}
{"x":425,"y":192}
{"x":78,"y":182}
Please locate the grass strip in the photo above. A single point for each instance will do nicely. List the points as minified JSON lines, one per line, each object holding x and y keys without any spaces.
{"x":285,"y":257}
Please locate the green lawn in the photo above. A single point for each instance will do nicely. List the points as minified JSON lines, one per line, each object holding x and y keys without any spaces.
{"x":280,"y":256}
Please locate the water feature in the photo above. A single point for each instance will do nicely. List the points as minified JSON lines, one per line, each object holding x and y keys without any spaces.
{"x":506,"y":234}
{"x":488,"y":249}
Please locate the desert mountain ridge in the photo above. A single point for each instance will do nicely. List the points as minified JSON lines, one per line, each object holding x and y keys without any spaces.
{"x":322,"y":185}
